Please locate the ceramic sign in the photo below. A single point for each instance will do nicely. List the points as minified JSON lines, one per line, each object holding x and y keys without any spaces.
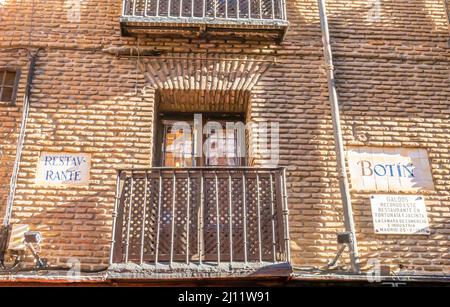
{"x":389,"y":169}
{"x":63,"y":169}
{"x":399,"y":214}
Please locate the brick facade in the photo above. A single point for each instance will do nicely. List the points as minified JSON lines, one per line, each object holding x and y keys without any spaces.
{"x":394,"y":88}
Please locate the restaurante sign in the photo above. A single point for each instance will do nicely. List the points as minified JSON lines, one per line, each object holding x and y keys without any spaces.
{"x":63,"y":169}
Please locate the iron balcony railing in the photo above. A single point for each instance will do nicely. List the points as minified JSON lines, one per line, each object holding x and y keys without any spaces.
{"x":252,"y":11}
{"x":200,"y":216}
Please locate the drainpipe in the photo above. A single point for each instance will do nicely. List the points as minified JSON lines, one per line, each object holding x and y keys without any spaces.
{"x":340,"y":157}
{"x":20,"y":141}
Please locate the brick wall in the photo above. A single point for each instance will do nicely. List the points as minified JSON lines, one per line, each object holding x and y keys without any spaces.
{"x":393,"y":82}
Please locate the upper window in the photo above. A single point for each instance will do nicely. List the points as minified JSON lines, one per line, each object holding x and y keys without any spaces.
{"x":8,"y":85}
{"x":221,"y":142}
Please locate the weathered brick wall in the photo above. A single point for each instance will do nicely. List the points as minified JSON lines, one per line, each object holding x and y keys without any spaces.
{"x":394,"y":88}
{"x":393,"y":80}
{"x":99,"y":113}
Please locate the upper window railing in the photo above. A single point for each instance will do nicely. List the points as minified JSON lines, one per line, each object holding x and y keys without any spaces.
{"x":266,"y":15}
{"x":202,"y":9}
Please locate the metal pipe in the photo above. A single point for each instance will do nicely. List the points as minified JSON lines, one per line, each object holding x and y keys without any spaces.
{"x":340,"y":157}
{"x":21,"y":139}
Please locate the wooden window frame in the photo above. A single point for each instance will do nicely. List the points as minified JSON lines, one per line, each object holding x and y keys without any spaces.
{"x":17,"y":72}
{"x":189,"y":117}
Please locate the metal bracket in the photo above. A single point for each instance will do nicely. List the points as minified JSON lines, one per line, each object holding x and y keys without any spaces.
{"x":333,"y":262}
{"x":344,"y":238}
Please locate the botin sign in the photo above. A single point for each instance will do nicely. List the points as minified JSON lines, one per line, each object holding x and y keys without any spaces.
{"x":63,"y":169}
{"x":389,"y":169}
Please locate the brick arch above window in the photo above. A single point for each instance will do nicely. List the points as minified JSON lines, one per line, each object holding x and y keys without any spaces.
{"x":209,"y":83}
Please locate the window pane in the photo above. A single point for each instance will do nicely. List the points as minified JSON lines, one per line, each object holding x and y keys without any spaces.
{"x":219,"y":149}
{"x":177,"y":151}
{"x":222,"y":150}
{"x":168,"y":159}
{"x":10,"y":78}
{"x":7,"y":94}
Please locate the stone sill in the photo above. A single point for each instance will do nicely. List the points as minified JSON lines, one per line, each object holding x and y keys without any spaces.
{"x":123,"y":275}
{"x":249,"y":29}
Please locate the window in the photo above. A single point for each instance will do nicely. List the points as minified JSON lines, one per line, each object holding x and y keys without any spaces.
{"x":178,"y":145}
{"x":220,"y":143}
{"x":8,"y":85}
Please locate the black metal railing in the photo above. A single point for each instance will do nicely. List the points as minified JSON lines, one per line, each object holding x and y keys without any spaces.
{"x":200,"y":215}
{"x":241,"y":10}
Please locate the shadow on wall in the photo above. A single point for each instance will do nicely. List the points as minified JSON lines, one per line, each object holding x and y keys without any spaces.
{"x":76,"y":221}
{"x":393,"y":89}
{"x":378,"y":80}
{"x":106,"y":119}
{"x":404,"y":19}
{"x":70,"y":21}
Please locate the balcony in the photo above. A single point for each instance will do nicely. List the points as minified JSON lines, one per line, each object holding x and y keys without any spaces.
{"x":224,"y":219}
{"x":246,"y":19}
